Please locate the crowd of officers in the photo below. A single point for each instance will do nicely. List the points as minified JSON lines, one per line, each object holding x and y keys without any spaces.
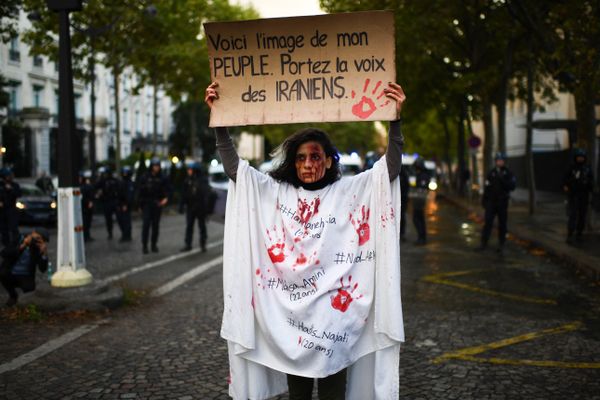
{"x":150,"y":193}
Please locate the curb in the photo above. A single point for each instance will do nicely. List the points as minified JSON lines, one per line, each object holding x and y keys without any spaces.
{"x":588,"y":266}
{"x":94,"y":297}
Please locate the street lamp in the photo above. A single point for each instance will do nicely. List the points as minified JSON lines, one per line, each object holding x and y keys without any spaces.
{"x":71,"y":253}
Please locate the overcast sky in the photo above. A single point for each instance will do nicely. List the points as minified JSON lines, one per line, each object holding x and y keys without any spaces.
{"x":283,"y":8}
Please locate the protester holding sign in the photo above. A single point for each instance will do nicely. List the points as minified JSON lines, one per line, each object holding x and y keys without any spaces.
{"x":312,"y":271}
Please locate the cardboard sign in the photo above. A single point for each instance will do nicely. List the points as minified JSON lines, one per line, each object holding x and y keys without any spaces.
{"x":322,"y":68}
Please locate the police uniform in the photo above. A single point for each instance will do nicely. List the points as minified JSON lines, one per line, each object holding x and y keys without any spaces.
{"x":195,"y":198}
{"x":87,"y":205}
{"x":108,"y":192}
{"x":10,"y":191}
{"x":578,"y":183}
{"x":404,"y":189}
{"x":500,"y":181}
{"x":422,"y":179}
{"x":153,"y":188}
{"x":126,"y":197}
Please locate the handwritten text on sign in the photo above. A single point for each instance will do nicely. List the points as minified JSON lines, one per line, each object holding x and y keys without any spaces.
{"x":304,"y":69}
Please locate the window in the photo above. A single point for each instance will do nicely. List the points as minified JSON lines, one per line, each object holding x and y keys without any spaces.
{"x":38,"y":93}
{"x":148,"y":123}
{"x":78,"y":113}
{"x":158,"y":124}
{"x":13,"y":93}
{"x":111,"y":118}
{"x":13,"y":52}
{"x":125,"y":121}
{"x":38,"y":61}
{"x":138,"y":122}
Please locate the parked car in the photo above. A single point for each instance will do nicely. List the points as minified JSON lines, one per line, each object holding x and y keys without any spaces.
{"x":351,"y":164}
{"x":35,"y":206}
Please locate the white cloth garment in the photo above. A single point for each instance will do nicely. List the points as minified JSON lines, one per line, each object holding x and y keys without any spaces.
{"x":312,"y":283}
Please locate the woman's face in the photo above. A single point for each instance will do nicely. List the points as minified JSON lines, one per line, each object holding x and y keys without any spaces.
{"x":311,"y":162}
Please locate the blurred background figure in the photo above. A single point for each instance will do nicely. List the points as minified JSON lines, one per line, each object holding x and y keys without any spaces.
{"x":44,"y":182}
{"x":10,"y":191}
{"x":419,"y":201}
{"x":404,"y":189}
{"x":107,"y":191}
{"x":126,"y":198}
{"x":87,"y":202}
{"x":153,"y":194}
{"x":578,"y":183}
{"x":499,"y":182}
{"x":194,"y":198}
{"x":20,"y":261}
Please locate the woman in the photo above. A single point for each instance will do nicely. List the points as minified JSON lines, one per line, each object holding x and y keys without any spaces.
{"x":311,"y":270}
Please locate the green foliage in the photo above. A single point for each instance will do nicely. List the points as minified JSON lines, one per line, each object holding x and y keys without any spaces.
{"x":9,"y":17}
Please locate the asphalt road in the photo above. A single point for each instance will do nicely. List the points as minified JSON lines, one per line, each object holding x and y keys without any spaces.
{"x":478,"y":325}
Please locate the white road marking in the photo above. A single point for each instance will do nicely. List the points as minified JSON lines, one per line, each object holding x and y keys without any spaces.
{"x":49,"y":347}
{"x":76,"y":333}
{"x":191,"y":274}
{"x":156,"y":263}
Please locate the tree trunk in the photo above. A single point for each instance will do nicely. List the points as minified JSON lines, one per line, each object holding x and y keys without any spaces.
{"x":530,"y":172}
{"x":193,"y":129}
{"x":447,"y":149}
{"x":116,"y":75}
{"x":461,"y":148}
{"x":502,"y":97}
{"x":154,"y":118}
{"x":586,"y":124}
{"x":488,"y":142}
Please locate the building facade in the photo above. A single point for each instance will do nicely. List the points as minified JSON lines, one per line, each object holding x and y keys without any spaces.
{"x":33,"y":100}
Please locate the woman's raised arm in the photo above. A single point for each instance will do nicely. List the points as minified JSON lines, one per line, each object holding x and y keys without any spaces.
{"x":225,"y":147}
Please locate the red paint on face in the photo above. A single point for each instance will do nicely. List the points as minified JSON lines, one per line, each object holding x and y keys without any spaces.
{"x":311,"y":162}
{"x":276,"y":253}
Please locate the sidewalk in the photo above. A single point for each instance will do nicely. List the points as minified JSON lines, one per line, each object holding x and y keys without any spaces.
{"x":545,"y":229}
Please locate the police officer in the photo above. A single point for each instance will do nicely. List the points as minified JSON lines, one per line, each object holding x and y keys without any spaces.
{"x":107,"y":191}
{"x":153,"y":194}
{"x":577,"y":184}
{"x":499,"y":182}
{"x":194,"y":198}
{"x":10,"y":191}
{"x":87,"y":203}
{"x":126,"y":197}
{"x":422,"y":179}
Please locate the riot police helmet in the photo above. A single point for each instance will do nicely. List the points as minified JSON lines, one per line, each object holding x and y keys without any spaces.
{"x":155,"y":161}
{"x":419,"y":163}
{"x":579,"y":152}
{"x":5,"y":172}
{"x":126,"y":171}
{"x":500,"y":156}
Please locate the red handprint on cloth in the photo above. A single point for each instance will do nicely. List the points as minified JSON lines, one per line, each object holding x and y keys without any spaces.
{"x":276,"y":250}
{"x":307,"y":210}
{"x":362,"y":225}
{"x":366,"y":106}
{"x":342,"y":300}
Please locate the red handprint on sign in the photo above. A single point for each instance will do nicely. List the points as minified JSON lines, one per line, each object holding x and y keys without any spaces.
{"x":362,"y":225}
{"x":343,"y":298}
{"x":366,"y":106}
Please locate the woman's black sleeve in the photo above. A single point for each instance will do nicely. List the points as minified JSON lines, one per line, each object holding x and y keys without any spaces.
{"x":393,"y":154}
{"x":226,"y":149}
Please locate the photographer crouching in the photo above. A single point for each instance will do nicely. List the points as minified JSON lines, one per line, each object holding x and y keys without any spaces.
{"x":19,"y":262}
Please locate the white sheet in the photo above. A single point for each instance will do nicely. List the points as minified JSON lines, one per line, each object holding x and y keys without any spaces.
{"x":312,"y":283}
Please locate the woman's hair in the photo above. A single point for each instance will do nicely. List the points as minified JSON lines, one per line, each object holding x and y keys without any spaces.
{"x":286,"y":171}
